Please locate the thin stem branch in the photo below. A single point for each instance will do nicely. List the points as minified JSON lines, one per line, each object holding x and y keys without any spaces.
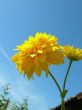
{"x":67,"y":74}
{"x":55,"y":81}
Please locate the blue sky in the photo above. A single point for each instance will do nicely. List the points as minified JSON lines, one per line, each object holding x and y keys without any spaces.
{"x":21,"y":18}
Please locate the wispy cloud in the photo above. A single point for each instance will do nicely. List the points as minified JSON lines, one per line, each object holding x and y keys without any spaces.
{"x":5,"y":54}
{"x":37,"y":99}
{"x":23,"y":88}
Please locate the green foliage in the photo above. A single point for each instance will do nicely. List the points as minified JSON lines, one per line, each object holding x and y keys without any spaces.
{"x":4,"y":101}
{"x":22,"y":106}
{"x":7,"y":104}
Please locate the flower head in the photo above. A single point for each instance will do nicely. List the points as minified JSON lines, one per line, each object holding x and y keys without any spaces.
{"x":72,"y":53}
{"x":36,"y":53}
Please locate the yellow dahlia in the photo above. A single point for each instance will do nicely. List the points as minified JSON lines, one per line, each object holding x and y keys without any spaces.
{"x":36,"y":53}
{"x":72,"y":53}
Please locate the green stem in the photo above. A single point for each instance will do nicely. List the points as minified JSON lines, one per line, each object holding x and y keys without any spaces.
{"x":62,"y":104}
{"x":62,"y":92}
{"x":67,"y":74}
{"x":62,"y":98}
{"x":55,"y":81}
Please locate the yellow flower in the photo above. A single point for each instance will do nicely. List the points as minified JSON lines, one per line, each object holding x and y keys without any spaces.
{"x":36,"y":53}
{"x":72,"y":53}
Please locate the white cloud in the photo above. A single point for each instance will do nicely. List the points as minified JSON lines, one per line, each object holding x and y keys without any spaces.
{"x":2,"y":82}
{"x":39,"y":102}
{"x":22,"y":88}
{"x":37,"y":99}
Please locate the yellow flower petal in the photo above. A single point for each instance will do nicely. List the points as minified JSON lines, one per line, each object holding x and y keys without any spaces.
{"x":37,"y":66}
{"x":32,"y":55}
{"x":44,"y":67}
{"x":74,"y":54}
{"x":55,"y":57}
{"x":36,"y":53}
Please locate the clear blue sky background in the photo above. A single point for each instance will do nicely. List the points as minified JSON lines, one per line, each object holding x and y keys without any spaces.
{"x":21,"y":18}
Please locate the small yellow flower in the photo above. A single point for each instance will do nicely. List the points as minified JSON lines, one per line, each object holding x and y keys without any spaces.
{"x":36,"y":53}
{"x":72,"y":53}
